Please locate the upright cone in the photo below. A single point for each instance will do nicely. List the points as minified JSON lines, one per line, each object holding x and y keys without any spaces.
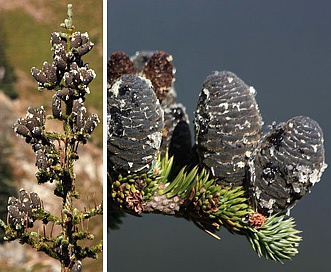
{"x":227,"y":126}
{"x":288,"y":161}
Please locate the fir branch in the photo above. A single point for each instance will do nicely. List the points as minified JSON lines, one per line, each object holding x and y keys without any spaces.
{"x":234,"y":176}
{"x":56,"y":153}
{"x":196,"y":196}
{"x":276,"y":239}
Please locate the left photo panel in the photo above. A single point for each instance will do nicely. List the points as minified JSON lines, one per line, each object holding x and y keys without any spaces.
{"x":51,"y":137}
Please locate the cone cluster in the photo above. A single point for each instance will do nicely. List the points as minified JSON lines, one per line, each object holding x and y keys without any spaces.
{"x":234,"y":176}
{"x":276,"y":168}
{"x":69,"y":77}
{"x":21,"y":210}
{"x":67,"y":64}
{"x":157,"y":67}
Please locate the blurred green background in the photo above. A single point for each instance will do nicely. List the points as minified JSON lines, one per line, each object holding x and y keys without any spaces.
{"x":283,"y":49}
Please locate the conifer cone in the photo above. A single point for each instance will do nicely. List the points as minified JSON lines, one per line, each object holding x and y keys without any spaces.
{"x":157,"y":66}
{"x":227,"y":126}
{"x":119,"y":64}
{"x":288,"y":161}
{"x":159,"y":70}
{"x":176,"y":138}
{"x":135,"y":123}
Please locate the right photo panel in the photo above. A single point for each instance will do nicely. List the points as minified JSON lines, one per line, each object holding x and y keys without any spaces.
{"x":217,"y":135}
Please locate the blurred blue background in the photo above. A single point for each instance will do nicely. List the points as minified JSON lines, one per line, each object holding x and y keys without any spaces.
{"x":283,"y":49}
